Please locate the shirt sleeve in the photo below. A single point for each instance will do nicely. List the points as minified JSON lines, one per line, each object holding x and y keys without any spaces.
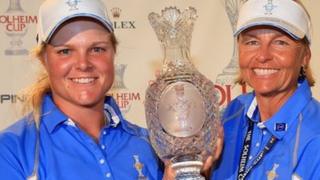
{"x":10,"y":165}
{"x":308,"y":165}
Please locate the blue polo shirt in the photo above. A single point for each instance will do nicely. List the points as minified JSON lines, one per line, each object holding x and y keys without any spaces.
{"x":296,"y":126}
{"x":66,"y":152}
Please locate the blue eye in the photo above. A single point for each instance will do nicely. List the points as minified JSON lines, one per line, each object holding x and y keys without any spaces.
{"x":98,"y":49}
{"x":281,"y":42}
{"x":64,"y":51}
{"x":252,"y":42}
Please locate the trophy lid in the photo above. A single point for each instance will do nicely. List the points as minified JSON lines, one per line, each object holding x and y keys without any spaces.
{"x":174,"y":28}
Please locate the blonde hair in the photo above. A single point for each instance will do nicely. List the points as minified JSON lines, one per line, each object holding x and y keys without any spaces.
{"x":306,"y":71}
{"x":34,"y":93}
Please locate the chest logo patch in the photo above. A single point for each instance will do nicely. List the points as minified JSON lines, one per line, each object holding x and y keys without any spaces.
{"x":272,"y":174}
{"x":138,"y":166}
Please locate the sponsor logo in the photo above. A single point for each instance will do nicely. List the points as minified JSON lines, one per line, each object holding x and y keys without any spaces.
{"x":119,"y":91}
{"x":116,"y":12}
{"x":16,"y":24}
{"x":124,"y":99}
{"x":119,"y":22}
{"x":10,"y":98}
{"x":227,"y":92}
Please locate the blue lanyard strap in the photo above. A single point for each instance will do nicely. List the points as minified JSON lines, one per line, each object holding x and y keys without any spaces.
{"x":243,"y":172}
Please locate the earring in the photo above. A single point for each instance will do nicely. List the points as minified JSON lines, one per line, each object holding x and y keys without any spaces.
{"x":302,"y":74}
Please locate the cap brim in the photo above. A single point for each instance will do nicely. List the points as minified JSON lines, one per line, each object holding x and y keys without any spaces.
{"x":101,"y":20}
{"x":282,"y":26}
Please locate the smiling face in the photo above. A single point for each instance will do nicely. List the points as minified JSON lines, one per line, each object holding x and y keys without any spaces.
{"x":79,"y":61}
{"x":270,"y":60}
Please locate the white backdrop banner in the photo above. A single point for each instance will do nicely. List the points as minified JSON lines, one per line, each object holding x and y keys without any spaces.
{"x":139,"y":53}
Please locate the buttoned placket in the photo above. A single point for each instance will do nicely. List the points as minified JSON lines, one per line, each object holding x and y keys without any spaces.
{"x":99,"y":150}
{"x":103,"y":150}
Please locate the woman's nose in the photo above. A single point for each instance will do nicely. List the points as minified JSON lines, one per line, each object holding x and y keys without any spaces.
{"x":83,"y":62}
{"x":264,"y":53}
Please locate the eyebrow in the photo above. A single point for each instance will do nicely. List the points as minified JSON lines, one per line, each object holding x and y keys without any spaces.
{"x":92,"y":44}
{"x":277,"y":35}
{"x":246,"y":36}
{"x":101,"y":42}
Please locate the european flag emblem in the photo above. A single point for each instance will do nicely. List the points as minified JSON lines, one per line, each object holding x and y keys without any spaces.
{"x":281,"y":127}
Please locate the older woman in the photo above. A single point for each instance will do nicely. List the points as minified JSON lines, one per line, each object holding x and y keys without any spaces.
{"x":73,"y":130}
{"x":273,"y":132}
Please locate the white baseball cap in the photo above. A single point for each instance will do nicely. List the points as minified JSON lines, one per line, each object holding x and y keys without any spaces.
{"x":286,"y":15}
{"x":53,"y":13}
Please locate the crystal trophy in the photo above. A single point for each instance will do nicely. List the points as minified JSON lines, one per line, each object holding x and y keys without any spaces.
{"x":17,"y":29}
{"x":231,"y":71}
{"x":181,"y":105}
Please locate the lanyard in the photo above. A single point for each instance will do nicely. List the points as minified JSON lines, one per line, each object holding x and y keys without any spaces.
{"x":243,"y":172}
{"x":34,"y":175}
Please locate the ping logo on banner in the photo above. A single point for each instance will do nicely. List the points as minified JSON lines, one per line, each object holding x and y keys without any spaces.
{"x":10,"y":98}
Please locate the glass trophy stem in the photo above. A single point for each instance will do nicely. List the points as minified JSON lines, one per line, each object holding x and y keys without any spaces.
{"x":187,"y":167}
{"x":176,"y":58}
{"x":230,"y":72}
{"x":232,"y":67}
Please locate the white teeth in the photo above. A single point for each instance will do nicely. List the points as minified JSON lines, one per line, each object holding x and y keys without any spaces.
{"x":83,"y":80}
{"x":262,"y":72}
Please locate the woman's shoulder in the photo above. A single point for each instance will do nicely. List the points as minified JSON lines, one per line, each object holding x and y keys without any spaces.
{"x":17,"y":144}
{"x":19,"y":130}
{"x":135,"y":130}
{"x":237,"y":107}
{"x":311,"y":116}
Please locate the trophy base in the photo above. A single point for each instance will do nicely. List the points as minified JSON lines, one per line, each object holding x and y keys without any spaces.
{"x":10,"y":52}
{"x":188,"y":169}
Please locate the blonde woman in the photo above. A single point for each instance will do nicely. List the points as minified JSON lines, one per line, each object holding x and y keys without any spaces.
{"x":73,"y":131}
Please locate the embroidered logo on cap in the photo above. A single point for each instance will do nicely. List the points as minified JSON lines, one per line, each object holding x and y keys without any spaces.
{"x":73,"y":4}
{"x":269,"y":7}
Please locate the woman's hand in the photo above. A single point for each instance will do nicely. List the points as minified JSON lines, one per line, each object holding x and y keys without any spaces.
{"x":169,"y":173}
{"x":210,"y":161}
